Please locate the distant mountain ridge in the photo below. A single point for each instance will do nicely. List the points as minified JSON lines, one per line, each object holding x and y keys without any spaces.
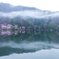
{"x":8,"y":10}
{"x":5,"y":7}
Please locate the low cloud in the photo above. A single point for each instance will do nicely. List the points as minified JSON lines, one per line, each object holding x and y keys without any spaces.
{"x":29,"y":13}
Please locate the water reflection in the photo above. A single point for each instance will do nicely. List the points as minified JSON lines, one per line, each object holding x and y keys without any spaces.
{"x":6,"y":32}
{"x":25,"y":41}
{"x":43,"y":54}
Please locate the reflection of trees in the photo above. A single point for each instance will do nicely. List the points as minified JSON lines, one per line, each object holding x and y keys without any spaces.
{"x":30,"y":36}
{"x":53,"y":37}
{"x":7,"y":32}
{"x":7,"y":51}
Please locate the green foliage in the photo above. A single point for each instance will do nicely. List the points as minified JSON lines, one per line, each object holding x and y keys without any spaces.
{"x":31,"y":23}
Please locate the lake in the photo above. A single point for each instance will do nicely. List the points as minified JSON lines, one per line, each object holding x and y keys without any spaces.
{"x":29,"y":45}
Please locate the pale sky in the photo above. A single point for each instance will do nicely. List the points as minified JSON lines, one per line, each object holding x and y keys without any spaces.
{"x":52,"y":5}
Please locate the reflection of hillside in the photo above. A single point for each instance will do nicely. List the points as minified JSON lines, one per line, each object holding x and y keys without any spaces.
{"x":12,"y":50}
{"x":27,"y":42}
{"x":25,"y":47}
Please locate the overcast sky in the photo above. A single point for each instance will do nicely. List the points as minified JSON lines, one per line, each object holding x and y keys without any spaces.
{"x":52,"y":5}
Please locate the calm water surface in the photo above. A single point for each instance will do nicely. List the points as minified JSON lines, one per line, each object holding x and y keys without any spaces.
{"x":29,"y":45}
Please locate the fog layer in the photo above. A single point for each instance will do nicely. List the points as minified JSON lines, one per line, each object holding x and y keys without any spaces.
{"x":29,"y":13}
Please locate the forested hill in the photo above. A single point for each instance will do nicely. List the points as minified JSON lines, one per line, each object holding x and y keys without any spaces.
{"x":30,"y":17}
{"x":5,"y":7}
